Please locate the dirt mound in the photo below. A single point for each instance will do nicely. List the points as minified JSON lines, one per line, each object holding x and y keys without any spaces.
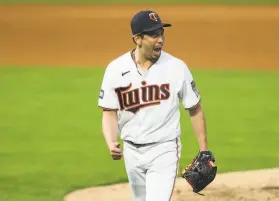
{"x":257,"y":185}
{"x":90,"y":35}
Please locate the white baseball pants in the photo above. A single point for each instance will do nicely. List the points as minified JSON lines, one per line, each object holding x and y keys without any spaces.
{"x":152,"y":169}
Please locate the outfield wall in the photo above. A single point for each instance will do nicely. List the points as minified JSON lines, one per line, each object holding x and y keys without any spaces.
{"x":216,"y":36}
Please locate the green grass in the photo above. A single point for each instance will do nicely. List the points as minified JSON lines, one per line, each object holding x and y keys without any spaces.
{"x":143,"y":1}
{"x":50,"y":128}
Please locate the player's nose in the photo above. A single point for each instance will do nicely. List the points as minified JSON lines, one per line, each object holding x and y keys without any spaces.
{"x":160,"y":39}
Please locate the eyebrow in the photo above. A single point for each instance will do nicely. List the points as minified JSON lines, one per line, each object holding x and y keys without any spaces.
{"x":154,"y":32}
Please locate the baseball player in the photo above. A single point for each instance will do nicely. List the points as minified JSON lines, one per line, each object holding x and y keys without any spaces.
{"x":140,"y":96}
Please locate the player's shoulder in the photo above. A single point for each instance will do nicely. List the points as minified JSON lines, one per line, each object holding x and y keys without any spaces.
{"x":173,"y":61}
{"x":119,"y":63}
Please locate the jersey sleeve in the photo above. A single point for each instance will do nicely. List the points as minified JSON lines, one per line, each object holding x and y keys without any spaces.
{"x":189,"y":93}
{"x":107,"y":97}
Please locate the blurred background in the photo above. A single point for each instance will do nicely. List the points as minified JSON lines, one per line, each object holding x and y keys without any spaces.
{"x":52,"y":59}
{"x":204,"y":35}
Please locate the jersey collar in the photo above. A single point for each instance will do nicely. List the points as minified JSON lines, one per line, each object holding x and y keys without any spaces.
{"x":132,"y":53}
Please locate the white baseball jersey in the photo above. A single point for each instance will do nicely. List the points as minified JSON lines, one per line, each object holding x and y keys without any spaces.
{"x":147,"y":103}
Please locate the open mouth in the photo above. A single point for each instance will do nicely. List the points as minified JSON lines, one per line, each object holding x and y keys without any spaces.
{"x":157,"y":49}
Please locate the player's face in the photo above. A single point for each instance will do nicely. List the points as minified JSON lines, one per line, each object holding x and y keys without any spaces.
{"x":152,"y":44}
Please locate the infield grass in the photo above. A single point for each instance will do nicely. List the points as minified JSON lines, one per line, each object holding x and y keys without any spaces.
{"x":50,"y":128}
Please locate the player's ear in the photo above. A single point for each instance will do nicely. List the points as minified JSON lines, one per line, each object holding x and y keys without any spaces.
{"x":133,"y":38}
{"x":137,"y":39}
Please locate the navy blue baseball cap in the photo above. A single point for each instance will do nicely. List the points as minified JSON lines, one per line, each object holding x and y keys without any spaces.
{"x":145,"y":21}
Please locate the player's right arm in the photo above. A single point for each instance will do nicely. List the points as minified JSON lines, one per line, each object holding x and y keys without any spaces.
{"x":110,"y":133}
{"x":108,"y":103}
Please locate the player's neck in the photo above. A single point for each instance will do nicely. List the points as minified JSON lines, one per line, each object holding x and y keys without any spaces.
{"x":142,"y":63}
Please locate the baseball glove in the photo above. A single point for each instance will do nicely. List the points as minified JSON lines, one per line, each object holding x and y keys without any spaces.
{"x":201,"y":172}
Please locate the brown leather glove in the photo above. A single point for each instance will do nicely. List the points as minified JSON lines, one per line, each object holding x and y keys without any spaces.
{"x":201,"y":172}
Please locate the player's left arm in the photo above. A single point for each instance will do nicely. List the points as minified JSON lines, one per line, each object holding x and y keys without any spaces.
{"x":191,"y":100}
{"x":201,"y":172}
{"x":199,"y":126}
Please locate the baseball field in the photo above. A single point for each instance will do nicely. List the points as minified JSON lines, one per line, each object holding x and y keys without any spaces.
{"x":52,"y":59}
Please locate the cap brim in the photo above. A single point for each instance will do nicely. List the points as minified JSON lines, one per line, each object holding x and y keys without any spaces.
{"x":166,"y":25}
{"x":158,"y":26}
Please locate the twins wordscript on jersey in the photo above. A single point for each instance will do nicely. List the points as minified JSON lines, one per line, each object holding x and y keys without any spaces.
{"x":133,"y":100}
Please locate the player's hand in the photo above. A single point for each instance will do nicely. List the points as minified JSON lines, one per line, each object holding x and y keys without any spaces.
{"x":205,"y":155}
{"x":115,"y":151}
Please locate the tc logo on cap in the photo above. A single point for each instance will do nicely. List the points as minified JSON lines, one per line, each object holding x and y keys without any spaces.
{"x":153,"y":16}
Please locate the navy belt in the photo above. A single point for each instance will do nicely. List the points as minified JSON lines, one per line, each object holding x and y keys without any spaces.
{"x":141,"y":144}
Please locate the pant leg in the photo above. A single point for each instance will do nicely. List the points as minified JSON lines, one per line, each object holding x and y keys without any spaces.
{"x":135,"y":172}
{"x":161,"y":175}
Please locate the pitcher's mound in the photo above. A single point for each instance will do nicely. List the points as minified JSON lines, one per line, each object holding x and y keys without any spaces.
{"x":260,"y":185}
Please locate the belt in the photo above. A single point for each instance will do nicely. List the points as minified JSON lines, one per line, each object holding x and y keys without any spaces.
{"x":141,"y":144}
